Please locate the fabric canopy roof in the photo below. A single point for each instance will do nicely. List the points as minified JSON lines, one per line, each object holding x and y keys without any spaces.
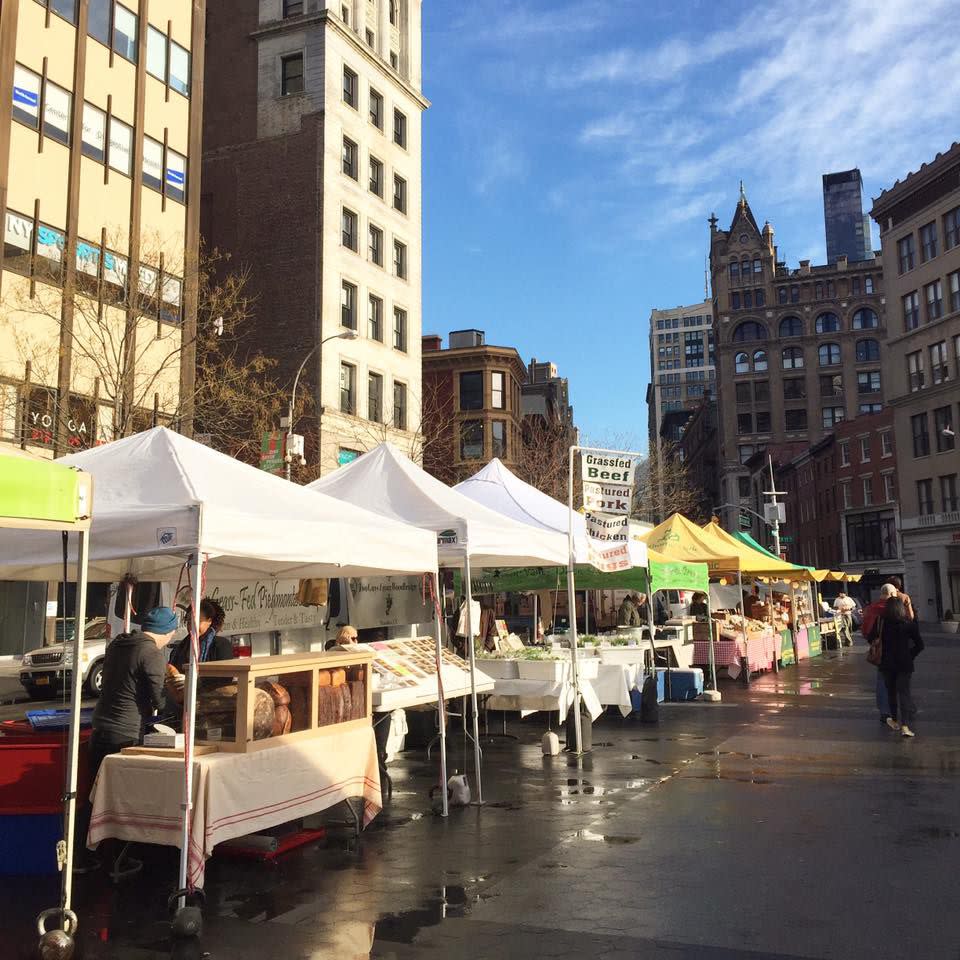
{"x":498,"y":488}
{"x":753,"y":562}
{"x":160,"y":497}
{"x":678,"y":538}
{"x":392,"y":485}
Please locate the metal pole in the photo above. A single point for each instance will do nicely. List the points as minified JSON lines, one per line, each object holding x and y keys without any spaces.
{"x":776,"y":511}
{"x":586,"y":612}
{"x":651,"y":626}
{"x":572,"y":601}
{"x":73,"y":739}
{"x":441,"y":704}
{"x":190,"y":714}
{"x":713,"y":659}
{"x":473,"y":673}
{"x":743,"y":626}
{"x":293,"y":401}
{"x":536,"y":622}
{"x":127,"y":607}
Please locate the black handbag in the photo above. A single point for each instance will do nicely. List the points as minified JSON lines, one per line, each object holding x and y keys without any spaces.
{"x":875,"y":653}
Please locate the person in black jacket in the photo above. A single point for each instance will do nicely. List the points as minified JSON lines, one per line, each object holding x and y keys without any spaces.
{"x":212,"y":646}
{"x":900,"y":643}
{"x":133,"y":675}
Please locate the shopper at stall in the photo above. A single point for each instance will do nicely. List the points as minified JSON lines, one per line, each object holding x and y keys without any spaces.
{"x":345,"y":636}
{"x":627,"y":614}
{"x":900,"y":642}
{"x":133,"y":678}
{"x":642,"y":604}
{"x":212,"y":647}
{"x":698,"y":605}
{"x":870,"y":616}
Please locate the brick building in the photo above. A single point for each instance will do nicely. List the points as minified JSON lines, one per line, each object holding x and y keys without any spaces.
{"x":698,"y":451}
{"x":797,"y":350}
{"x":312,"y":183}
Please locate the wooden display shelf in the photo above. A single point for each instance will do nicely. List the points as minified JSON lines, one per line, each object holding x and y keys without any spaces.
{"x":295,"y":670}
{"x":198,"y":751}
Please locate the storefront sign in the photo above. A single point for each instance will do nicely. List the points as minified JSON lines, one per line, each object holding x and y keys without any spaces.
{"x":387,"y":602}
{"x":255,"y":606}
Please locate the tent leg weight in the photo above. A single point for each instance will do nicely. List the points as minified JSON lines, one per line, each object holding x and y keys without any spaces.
{"x":586,"y":729}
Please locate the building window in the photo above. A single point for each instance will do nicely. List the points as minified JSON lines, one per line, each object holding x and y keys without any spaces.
{"x":348,"y":388}
{"x":928,"y":242}
{"x":794,"y":388}
{"x":17,"y":243}
{"x":921,"y":435}
{"x":934,"y":297}
{"x":872,"y":536}
{"x":868,"y":408}
{"x":349,"y":88}
{"x":868,"y":491}
{"x":744,"y":423}
{"x":943,"y":425}
{"x":745,"y":271}
{"x":855,"y":286}
{"x":393,"y":13}
{"x":868,"y":382}
{"x":954,"y":281}
{"x":906,"y":253}
{"x":831,"y":386}
{"x":939,"y":371}
{"x":399,"y":128}
{"x":497,"y":393}
{"x":94,"y":134}
{"x":741,"y":363}
{"x":760,"y":361}
{"x":125,"y":33}
{"x":757,"y":267}
{"x":746,"y":451}
{"x":471,"y":440}
{"x":349,"y":158}
{"x":829,"y":354}
{"x":759,"y":298}
{"x":818,"y":291}
{"x":349,"y":229}
{"x":394,"y":60}
{"x":179,"y":69}
{"x":747,"y":299}
{"x":157,"y":54}
{"x":828,"y":323}
{"x":376,"y":245}
{"x":152,"y":164}
{"x":886,"y":444}
{"x":948,"y":492}
{"x":925,"y":497}
{"x":399,"y":193}
{"x":734,"y":271}
{"x":375,"y":318}
{"x":781,"y":295}
{"x":471,"y":390}
{"x":345,"y":13}
{"x":915,"y":371}
{"x":292,"y":8}
{"x":832,"y":416}
{"x":56,"y":113}
{"x":734,"y":301}
{"x":121,"y":147}
{"x":26,"y":96}
{"x":291,"y":75}
{"x":376,"y":109}
{"x":400,"y":259}
{"x":864,"y":449}
{"x":743,"y":487}
{"x":399,"y":329}
{"x":795,"y":294}
{"x":175,"y":176}
{"x":743,"y":392}
{"x":376,"y":177}
{"x":375,"y":397}
{"x":761,"y":391}
{"x":868,"y":284}
{"x":868,"y":351}
{"x":865,"y":319}
{"x":348,"y":305}
{"x":98,"y":21}
{"x":889,"y":488}
{"x":792,"y":358}
{"x":371,"y":39}
{"x":399,"y":405}
{"x":763,"y":421}
{"x":791,"y":327}
{"x":951,"y":229}
{"x":498,"y":439}
{"x":847,"y":498}
{"x":795,"y":419}
{"x":748,"y":331}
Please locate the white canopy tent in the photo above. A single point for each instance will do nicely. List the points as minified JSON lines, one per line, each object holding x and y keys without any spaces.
{"x":392,"y":485}
{"x":164,"y":500}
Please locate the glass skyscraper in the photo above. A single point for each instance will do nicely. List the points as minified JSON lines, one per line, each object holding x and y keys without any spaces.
{"x":847,"y":226}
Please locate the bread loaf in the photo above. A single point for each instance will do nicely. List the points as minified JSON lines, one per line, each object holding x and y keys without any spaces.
{"x":278,"y":693}
{"x":338,"y":677}
{"x":282,"y":720}
{"x":323,"y":678}
{"x":263,"y":712}
{"x":299,"y":708}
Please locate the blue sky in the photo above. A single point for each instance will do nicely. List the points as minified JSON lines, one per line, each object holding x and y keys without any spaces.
{"x":574,"y":151}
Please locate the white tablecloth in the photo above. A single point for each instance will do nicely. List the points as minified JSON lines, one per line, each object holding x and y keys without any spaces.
{"x":614,"y":683}
{"x":532,"y":696}
{"x":138,"y":797}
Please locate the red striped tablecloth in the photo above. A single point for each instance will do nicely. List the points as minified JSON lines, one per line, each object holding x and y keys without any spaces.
{"x":760,"y":652}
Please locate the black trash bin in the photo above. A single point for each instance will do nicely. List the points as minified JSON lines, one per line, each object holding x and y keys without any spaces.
{"x":649,"y":707}
{"x":586,"y":729}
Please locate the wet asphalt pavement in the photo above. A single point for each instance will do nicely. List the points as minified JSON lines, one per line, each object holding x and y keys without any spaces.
{"x":785,"y":822}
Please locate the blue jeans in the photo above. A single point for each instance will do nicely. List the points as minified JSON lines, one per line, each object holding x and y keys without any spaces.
{"x":883,"y":698}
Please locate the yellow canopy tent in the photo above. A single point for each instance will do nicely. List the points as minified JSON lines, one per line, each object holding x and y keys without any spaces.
{"x":752,"y":562}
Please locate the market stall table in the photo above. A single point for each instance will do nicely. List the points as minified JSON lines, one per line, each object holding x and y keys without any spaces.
{"x":138,"y":798}
{"x":760,"y":652}
{"x":533,"y":696}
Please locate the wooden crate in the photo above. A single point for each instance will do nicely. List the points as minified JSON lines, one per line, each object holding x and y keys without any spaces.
{"x":295,"y":671}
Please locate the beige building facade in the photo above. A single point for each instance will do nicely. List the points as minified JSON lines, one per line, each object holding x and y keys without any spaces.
{"x":99,"y":154}
{"x":919,"y":220}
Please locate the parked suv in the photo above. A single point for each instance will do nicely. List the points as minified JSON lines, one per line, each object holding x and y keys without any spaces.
{"x":47,"y":671}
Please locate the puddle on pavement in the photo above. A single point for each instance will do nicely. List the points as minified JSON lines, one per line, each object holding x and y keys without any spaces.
{"x":603,"y":838}
{"x":732,"y":753}
{"x":449,"y":902}
{"x":504,"y":805}
{"x":939,"y":833}
{"x":637,"y":756}
{"x":760,"y":782}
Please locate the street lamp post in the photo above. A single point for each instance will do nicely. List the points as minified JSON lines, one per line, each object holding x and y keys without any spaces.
{"x":293,"y":440}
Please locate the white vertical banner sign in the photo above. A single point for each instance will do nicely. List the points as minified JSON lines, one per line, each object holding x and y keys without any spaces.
{"x":608,"y":482}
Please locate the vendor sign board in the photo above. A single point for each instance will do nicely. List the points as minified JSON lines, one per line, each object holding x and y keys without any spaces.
{"x":607,"y":494}
{"x":257,"y":606}
{"x":272,"y":451}
{"x":387,"y":602}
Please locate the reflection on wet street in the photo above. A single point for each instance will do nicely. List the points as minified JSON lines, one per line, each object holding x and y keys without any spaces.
{"x":784,"y":822}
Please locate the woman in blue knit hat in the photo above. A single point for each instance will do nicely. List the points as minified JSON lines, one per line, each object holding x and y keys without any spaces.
{"x":133,"y":674}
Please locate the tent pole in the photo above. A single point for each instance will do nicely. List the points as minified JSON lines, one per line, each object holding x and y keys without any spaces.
{"x":651,"y":626}
{"x":441,"y":705}
{"x":190,"y":714}
{"x":586,"y":612}
{"x":712,"y":656}
{"x":572,"y":603}
{"x":73,"y":742}
{"x":127,"y":606}
{"x":743,"y":626}
{"x":473,"y":673}
{"x":536,"y":624}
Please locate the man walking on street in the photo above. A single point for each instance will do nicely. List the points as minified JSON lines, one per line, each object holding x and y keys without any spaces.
{"x":870,"y":615}
{"x":845,"y":606}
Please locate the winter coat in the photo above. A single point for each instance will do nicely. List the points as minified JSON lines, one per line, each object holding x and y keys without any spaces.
{"x":901,"y":642}
{"x":627,"y":615}
{"x":133,"y":674}
{"x":212,"y":648}
{"x":870,"y":614}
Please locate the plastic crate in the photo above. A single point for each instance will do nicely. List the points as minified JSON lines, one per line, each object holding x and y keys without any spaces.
{"x":33,"y":768}
{"x":57,"y":719}
{"x":29,"y":843}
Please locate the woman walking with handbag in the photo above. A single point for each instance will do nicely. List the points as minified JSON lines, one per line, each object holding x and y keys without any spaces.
{"x":898,"y":639}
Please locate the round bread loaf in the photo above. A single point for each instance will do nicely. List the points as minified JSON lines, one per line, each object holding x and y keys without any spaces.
{"x":263,"y":712}
{"x":299,"y":708}
{"x":278,"y":693}
{"x":282,"y":720}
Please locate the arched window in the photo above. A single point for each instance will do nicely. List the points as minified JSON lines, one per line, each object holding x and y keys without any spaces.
{"x":868,"y":351}
{"x":865,"y":319}
{"x":791,"y":327}
{"x":828,"y":323}
{"x":748,"y":331}
{"x":734,"y":271}
{"x":745,"y":271}
{"x":742,"y":363}
{"x":760,"y":361}
{"x":792,"y":358}
{"x":829,"y":354}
